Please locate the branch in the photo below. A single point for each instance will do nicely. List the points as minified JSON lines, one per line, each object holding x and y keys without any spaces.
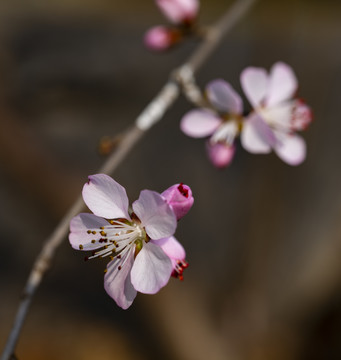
{"x":151,"y":115}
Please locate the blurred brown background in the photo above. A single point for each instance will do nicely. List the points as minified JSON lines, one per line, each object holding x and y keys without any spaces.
{"x":263,"y":239}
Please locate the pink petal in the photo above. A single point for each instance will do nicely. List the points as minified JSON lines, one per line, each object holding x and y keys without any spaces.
{"x":282,"y":84}
{"x":117,"y":282}
{"x":220,"y":154}
{"x":199,"y":123}
{"x":155,"y":214}
{"x":172,"y":248}
{"x":222,"y":96}
{"x":256,"y":136}
{"x":179,"y":11}
{"x":79,"y":237}
{"x":291,"y":149}
{"x":105,"y":197}
{"x":255,"y":84}
{"x":158,"y":38}
{"x":151,"y":270}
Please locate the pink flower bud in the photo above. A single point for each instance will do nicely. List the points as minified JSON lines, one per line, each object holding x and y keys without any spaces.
{"x":180,"y":198}
{"x":158,"y":38}
{"x":220,"y":154}
{"x":179,"y":11}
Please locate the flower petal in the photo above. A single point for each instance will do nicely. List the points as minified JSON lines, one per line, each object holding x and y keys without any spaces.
{"x":151,"y":270}
{"x":222,"y":96}
{"x":255,"y":83}
{"x":227,"y":133}
{"x":291,"y":149}
{"x":179,"y":11}
{"x":105,"y":197}
{"x":172,"y":248}
{"x":79,"y":238}
{"x":282,"y":84}
{"x":199,"y":123}
{"x":155,"y":214}
{"x":257,"y":137}
{"x":117,"y":282}
{"x":279,"y":116}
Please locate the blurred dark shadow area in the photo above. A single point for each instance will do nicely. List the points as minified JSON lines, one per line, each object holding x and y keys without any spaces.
{"x":263,"y":239}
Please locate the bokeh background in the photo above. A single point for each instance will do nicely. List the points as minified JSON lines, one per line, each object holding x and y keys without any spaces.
{"x":263,"y":239}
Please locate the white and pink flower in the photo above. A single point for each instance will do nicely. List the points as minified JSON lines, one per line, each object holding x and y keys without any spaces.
{"x":221,"y":125}
{"x":271,"y":125}
{"x":276,"y":114}
{"x":141,"y":247}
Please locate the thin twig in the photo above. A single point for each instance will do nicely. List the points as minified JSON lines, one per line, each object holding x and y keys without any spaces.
{"x":152,"y":114}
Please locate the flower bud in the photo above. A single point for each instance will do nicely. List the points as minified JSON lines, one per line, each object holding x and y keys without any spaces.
{"x":220,"y":154}
{"x":160,"y":38}
{"x":180,"y":198}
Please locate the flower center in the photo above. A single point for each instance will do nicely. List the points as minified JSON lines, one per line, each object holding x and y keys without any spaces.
{"x":118,"y":238}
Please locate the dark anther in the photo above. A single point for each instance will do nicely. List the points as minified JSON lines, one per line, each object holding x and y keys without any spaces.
{"x":183,"y":191}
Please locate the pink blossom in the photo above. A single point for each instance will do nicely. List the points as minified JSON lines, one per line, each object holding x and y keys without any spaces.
{"x":180,"y":198}
{"x":276,"y":115}
{"x":221,"y":124}
{"x":160,"y":38}
{"x":134,"y":242}
{"x":179,"y":11}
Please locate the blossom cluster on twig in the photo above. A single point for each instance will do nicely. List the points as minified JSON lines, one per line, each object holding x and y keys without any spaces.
{"x":139,"y":243}
{"x":272,"y":123}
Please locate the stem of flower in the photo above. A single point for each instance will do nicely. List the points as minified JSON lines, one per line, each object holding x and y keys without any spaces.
{"x":152,"y":114}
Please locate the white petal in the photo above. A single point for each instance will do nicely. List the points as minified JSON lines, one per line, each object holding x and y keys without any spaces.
{"x":291,"y":149}
{"x":279,"y":116}
{"x":172,"y":248}
{"x":282,"y":84}
{"x":79,"y":225}
{"x":105,"y":197}
{"x":151,"y":270}
{"x":255,"y":83}
{"x":155,"y":214}
{"x":222,"y":95}
{"x":256,"y":136}
{"x":199,"y":123}
{"x":117,"y":283}
{"x":226,"y":133}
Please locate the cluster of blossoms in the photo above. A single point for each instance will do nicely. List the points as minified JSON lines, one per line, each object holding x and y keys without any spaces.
{"x":140,"y":245}
{"x":139,"y":241}
{"x":271,"y":125}
{"x":182,"y":15}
